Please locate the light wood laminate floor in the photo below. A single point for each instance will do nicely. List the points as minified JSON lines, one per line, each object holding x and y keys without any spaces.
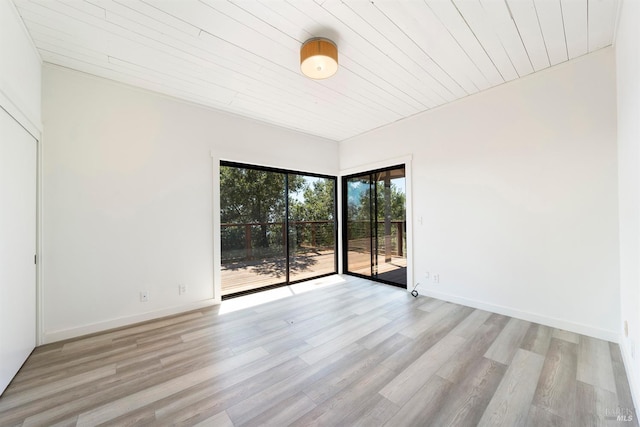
{"x":356,"y":353}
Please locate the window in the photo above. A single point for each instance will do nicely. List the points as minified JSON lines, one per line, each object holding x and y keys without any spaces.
{"x":277,"y":227}
{"x":374,"y":231}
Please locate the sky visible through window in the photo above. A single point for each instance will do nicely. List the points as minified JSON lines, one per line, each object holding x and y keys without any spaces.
{"x":310,"y":181}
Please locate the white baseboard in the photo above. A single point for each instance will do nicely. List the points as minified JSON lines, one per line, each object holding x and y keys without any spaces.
{"x":63,"y":334}
{"x":528,"y":316}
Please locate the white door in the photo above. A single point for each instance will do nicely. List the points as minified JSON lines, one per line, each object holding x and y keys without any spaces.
{"x":17,"y":246}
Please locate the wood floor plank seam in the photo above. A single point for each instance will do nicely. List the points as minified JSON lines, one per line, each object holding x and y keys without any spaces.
{"x":509,"y":406}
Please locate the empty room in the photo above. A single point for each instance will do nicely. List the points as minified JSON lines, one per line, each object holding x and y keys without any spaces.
{"x":319,"y":212}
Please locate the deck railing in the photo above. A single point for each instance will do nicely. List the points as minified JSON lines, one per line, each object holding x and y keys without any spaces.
{"x":245,"y":241}
{"x":264,"y":239}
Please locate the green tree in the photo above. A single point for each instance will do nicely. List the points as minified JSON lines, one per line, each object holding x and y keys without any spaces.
{"x":362,"y":209}
{"x":316,"y":203}
{"x":254,"y":196}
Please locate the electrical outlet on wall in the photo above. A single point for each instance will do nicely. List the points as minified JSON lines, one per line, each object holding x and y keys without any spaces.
{"x":436,"y":278}
{"x":626,"y":329}
{"x":182,"y":289}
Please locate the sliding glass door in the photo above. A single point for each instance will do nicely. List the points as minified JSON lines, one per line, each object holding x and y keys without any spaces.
{"x":374,"y":231}
{"x":277,"y":227}
{"x":252,"y":229}
{"x":312,"y":227}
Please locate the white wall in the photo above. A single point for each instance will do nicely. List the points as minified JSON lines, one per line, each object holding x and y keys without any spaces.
{"x":20,"y":70}
{"x":517,"y":190}
{"x":128,"y":197}
{"x":628,"y":84}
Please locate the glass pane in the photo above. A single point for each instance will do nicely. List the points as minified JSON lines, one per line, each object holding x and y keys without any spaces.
{"x":311,"y":227}
{"x":391,"y":261}
{"x":359,"y":231}
{"x":252,"y":212}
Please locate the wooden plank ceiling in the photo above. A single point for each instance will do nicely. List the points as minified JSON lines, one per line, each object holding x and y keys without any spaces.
{"x":397,"y":58}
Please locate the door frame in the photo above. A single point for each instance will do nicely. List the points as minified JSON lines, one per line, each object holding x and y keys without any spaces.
{"x":363,"y":169}
{"x":34,"y":128}
{"x":26,"y":148}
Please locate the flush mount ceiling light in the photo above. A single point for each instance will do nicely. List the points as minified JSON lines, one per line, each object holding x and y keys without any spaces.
{"x":319,"y":58}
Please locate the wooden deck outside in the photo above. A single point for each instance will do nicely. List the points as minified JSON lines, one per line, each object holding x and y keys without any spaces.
{"x":249,"y":275}
{"x":392,"y":271}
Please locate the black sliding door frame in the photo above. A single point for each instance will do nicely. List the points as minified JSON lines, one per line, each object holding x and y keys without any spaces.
{"x":373,"y":226}
{"x":286,"y":223}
